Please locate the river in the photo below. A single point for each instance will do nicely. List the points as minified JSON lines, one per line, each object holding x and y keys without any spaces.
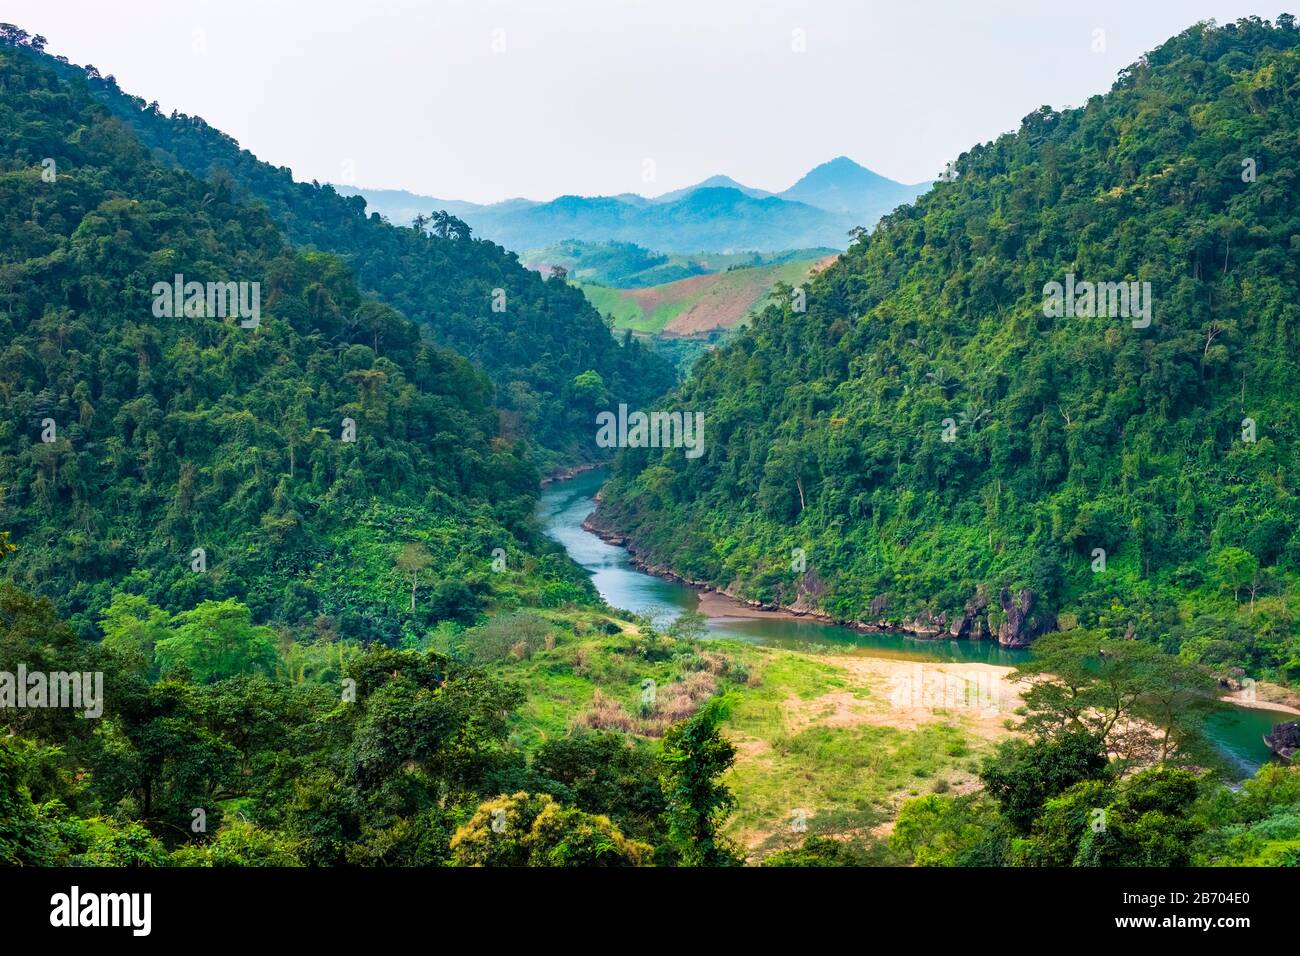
{"x":1236,"y":731}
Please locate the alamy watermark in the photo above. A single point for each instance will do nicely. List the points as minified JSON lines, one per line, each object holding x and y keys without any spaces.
{"x":78,"y":690}
{"x":1103,"y":300}
{"x":129,"y":910}
{"x":920,"y":686}
{"x":208,"y":300}
{"x":651,"y":430}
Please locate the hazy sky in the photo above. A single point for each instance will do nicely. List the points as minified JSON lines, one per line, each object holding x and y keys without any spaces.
{"x":482,"y":100}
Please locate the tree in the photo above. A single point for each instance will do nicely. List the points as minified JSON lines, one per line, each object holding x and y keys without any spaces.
{"x":688,"y":626}
{"x":217,"y":640}
{"x":25,"y":837}
{"x":132,"y":629}
{"x":533,"y":830}
{"x":610,"y":774}
{"x":938,"y":831}
{"x":694,"y":756}
{"x":1235,"y":568}
{"x":447,"y":226}
{"x":1149,"y":823}
{"x":1021,"y":776}
{"x":162,"y":761}
{"x":412,"y":559}
{"x":1138,"y":702}
{"x":239,"y":843}
{"x":589,"y":389}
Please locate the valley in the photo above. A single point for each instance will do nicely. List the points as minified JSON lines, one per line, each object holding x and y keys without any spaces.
{"x":854,"y":523}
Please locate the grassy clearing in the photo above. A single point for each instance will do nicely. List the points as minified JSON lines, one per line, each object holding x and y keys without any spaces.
{"x":696,"y":305}
{"x":814,"y":734}
{"x":817,"y":750}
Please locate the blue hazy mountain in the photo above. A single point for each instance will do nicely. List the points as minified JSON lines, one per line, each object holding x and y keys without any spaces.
{"x":716,"y":215}
{"x":842,"y":186}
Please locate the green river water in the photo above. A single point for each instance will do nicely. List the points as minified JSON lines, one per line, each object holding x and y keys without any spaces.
{"x":1236,"y":731}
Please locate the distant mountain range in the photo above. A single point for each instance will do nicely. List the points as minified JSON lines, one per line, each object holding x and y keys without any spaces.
{"x":716,"y":215}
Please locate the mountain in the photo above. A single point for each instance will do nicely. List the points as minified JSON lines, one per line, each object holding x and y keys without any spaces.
{"x":277,"y":458}
{"x":532,"y":337}
{"x":284,"y":600}
{"x":401,"y":207}
{"x":941,"y":444}
{"x":717,"y":215}
{"x":217,"y":529}
{"x":714,"y":182}
{"x":842,"y":186}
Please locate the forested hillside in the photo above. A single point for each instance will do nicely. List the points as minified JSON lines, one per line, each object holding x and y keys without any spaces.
{"x":532,"y":336}
{"x":131,"y":442}
{"x":222,"y":519}
{"x":950,"y":454}
{"x":289,"y":537}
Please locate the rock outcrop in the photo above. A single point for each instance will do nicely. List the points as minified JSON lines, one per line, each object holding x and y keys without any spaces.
{"x":1020,"y":622}
{"x":1020,"y":625}
{"x":973,"y":624}
{"x":1284,"y":740}
{"x":927,"y":624}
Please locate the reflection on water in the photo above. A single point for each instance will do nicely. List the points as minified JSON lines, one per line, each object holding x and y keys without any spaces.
{"x":1236,"y":731}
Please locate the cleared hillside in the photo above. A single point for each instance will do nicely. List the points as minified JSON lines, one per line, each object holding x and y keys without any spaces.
{"x":699,"y":304}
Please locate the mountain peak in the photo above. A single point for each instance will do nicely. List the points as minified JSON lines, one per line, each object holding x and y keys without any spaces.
{"x":720,"y":181}
{"x":842,"y":170}
{"x":844,"y":186}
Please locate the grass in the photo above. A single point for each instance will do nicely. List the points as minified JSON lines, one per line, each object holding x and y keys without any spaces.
{"x":847,"y":779}
{"x":696,"y":305}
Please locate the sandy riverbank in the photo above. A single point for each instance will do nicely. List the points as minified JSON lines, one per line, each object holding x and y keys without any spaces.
{"x":1262,"y":700}
{"x":715,"y":604}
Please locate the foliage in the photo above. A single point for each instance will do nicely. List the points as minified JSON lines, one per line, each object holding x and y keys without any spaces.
{"x":1022,"y":776}
{"x":193,"y":459}
{"x":545,"y":335}
{"x":820,"y":851}
{"x":694,"y":756}
{"x":826,"y":428}
{"x":527,"y":830}
{"x":941,"y":831}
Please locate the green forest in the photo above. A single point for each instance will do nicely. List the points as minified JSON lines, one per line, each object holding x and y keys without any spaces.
{"x":951,"y":459}
{"x":531,"y":336}
{"x":305,"y":555}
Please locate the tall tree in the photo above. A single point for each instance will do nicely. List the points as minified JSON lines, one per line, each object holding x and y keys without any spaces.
{"x":412,"y":559}
{"x":694,"y":756}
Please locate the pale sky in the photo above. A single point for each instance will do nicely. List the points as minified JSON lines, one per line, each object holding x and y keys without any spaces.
{"x":488,"y":99}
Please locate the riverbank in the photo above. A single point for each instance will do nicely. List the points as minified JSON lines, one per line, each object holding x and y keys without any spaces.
{"x":1271,"y":697}
{"x":837,"y":744}
{"x":729,"y":604}
{"x":627,"y":581}
{"x":720,"y":604}
{"x":573,"y":471}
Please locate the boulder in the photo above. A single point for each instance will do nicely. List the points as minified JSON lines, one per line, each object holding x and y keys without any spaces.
{"x":1020,"y":624}
{"x":1284,"y":740}
{"x":972,"y":623}
{"x":927,"y":624}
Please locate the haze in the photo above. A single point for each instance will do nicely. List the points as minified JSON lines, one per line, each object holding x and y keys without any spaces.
{"x":487,"y":100}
